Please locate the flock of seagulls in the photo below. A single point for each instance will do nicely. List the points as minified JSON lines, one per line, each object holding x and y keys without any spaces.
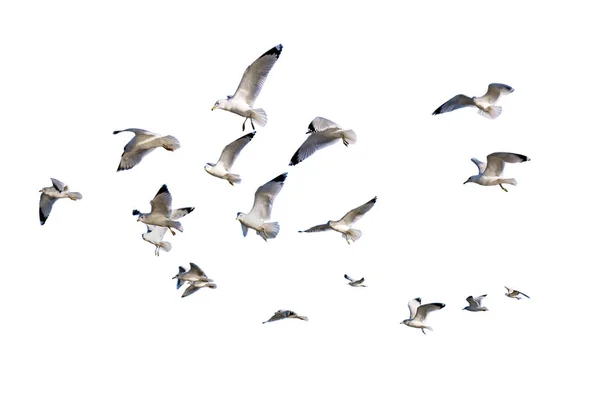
{"x":322,"y":133}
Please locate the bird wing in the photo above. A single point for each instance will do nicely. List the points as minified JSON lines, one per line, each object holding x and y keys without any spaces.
{"x":354,"y":215}
{"x":496,"y":161}
{"x":161,"y":204}
{"x":190,"y":289}
{"x":458,"y":101}
{"x":318,"y":228}
{"x":265,"y":195}
{"x":132,"y":157}
{"x":181,"y":212}
{"x":58,"y":185}
{"x":196,"y":270}
{"x":472,"y":302}
{"x":480,"y":165}
{"x":523,"y":294}
{"x":314,"y":142}
{"x":244,"y":229}
{"x":495,"y":90}
{"x":425,"y":309}
{"x":46,"y":203}
{"x":361,"y":280}
{"x":154,"y":234}
{"x":347,"y":277}
{"x":281,"y":314}
{"x":479,"y":299}
{"x":233,"y":149}
{"x":255,"y":76}
{"x":320,"y":124}
{"x":413,"y":306}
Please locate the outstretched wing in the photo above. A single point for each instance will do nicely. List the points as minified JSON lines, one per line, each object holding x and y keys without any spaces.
{"x":58,"y":185}
{"x":265,"y":195}
{"x":495,"y":162}
{"x":458,"y":101}
{"x":181,"y":212}
{"x":479,"y":299}
{"x":317,"y":228}
{"x":46,"y":203}
{"x":314,"y":142}
{"x":495,"y":90}
{"x":255,"y":76}
{"x":472,"y":302}
{"x":233,"y":149}
{"x":161,"y":204}
{"x":413,"y":305}
{"x":196,"y":270}
{"x":320,"y":124}
{"x":480,"y":165}
{"x":347,"y":277}
{"x":425,"y":309}
{"x":354,"y":215}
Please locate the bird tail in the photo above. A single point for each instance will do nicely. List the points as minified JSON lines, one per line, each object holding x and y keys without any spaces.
{"x":491,"y":112}
{"x":348,"y":137}
{"x":74,"y":195}
{"x":353,"y":234}
{"x":177,"y":225}
{"x":170,"y":143}
{"x":233,"y":178}
{"x":510,"y":181}
{"x":271,"y":230}
{"x":259,"y":116}
{"x":166,"y":246}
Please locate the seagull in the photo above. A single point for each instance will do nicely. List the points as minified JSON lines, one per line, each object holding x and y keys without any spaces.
{"x":50,"y":194}
{"x":242,"y":101}
{"x":282,"y":314}
{"x":475,"y":303}
{"x":228,"y":157}
{"x":344,"y":225}
{"x":490,"y":174}
{"x":155,"y":234}
{"x":160,"y":214}
{"x":418,"y":313}
{"x":323,"y":133}
{"x":514,"y":294}
{"x":261,"y":210}
{"x":195,"y":286}
{"x":485,"y":103}
{"x":355,"y":283}
{"x":196,"y":279}
{"x":142,"y":144}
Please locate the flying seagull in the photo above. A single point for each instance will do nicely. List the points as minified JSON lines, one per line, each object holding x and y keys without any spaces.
{"x":195,"y":277}
{"x":155,"y":234}
{"x":50,"y":194}
{"x":261,"y":210}
{"x":355,"y":283}
{"x":282,"y":314}
{"x":160,"y":212}
{"x":490,"y":174}
{"x":242,"y":101}
{"x":344,"y":225}
{"x":228,"y":157}
{"x":475,"y":303}
{"x":418,"y":313}
{"x":323,"y":133}
{"x":142,"y":144}
{"x":515,"y":294}
{"x":485,"y":103}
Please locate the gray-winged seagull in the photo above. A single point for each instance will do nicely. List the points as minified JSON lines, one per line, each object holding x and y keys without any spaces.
{"x":485,"y":103}
{"x":228,"y":157}
{"x":515,"y":294}
{"x":160,"y":213}
{"x":475,"y":303}
{"x":142,"y":144}
{"x":490,"y":173}
{"x":418,"y":313}
{"x":282,"y":314}
{"x":355,"y":283}
{"x":50,"y":194}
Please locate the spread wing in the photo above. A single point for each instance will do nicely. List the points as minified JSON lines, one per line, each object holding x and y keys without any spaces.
{"x":233,"y":149}
{"x":472,"y":302}
{"x":154,"y":234}
{"x":190,"y":289}
{"x":317,"y":228}
{"x":314,"y":142}
{"x":197,"y":271}
{"x":281,"y":314}
{"x":354,"y":215}
{"x":58,"y":185}
{"x":413,"y":305}
{"x":495,"y":90}
{"x":181,"y":212}
{"x":425,"y":309}
{"x":495,"y":162}
{"x":320,"y":124}
{"x":479,"y":299}
{"x":161,"y":204}
{"x":480,"y":165}
{"x":46,"y":203}
{"x":458,"y":101}
{"x":131,"y":158}
{"x":265,"y":195}
{"x":347,"y":277}
{"x":255,"y":76}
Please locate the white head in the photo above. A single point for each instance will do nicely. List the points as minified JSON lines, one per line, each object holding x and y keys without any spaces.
{"x":218,"y":104}
{"x":472,"y":179}
{"x":239,"y":217}
{"x":208,"y":167}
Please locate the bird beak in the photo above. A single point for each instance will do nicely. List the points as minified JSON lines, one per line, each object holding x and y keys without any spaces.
{"x":465,"y":181}
{"x":213,"y":108}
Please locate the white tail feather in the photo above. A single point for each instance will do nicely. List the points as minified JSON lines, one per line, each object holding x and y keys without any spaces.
{"x":491,"y":112}
{"x":170,"y":143}
{"x":166,"y":246}
{"x":74,"y":195}
{"x":259,"y":116}
{"x":349,"y":137}
{"x":353,"y":234}
{"x":271,"y":230}
{"x":233,"y":178}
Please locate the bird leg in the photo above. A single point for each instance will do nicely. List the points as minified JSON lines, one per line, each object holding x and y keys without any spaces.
{"x":231,"y":183}
{"x":244,"y":124}
{"x":503,"y":188}
{"x":252,"y":123}
{"x":172,"y":231}
{"x":423,"y":330}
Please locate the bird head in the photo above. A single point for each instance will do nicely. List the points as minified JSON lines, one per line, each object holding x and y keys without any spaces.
{"x":208,"y":166}
{"x":239,"y":216}
{"x":329,"y":223}
{"x":404,"y":322}
{"x":218,"y":104}
{"x":471,"y":179}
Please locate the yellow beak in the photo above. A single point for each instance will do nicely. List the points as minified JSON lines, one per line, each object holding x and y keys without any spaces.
{"x":213,"y":109}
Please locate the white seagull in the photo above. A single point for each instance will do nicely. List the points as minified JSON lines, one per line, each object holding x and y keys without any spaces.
{"x":160,"y":214}
{"x":323,"y":133}
{"x":475,"y":303}
{"x":490,"y":174}
{"x":261,"y":210}
{"x":196,"y":279}
{"x":355,"y":283}
{"x":242,"y":101}
{"x":485,"y":103}
{"x":228,"y":157}
{"x":142,"y":144}
{"x":155,"y":234}
{"x":515,"y":294}
{"x":344,"y":225}
{"x":50,"y":194}
{"x":282,"y":314}
{"x":418,"y":313}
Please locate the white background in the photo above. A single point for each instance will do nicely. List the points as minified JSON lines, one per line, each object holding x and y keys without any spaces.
{"x":88,"y":311}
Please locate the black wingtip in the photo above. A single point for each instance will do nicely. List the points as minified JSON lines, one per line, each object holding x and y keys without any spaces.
{"x":162,"y":189}
{"x":523,"y":158}
{"x":250,"y":135}
{"x":418,"y":299}
{"x":115,"y":132}
{"x":437,"y":111}
{"x":280,"y":178}
{"x":440,"y":305}
{"x":295,"y":160}
{"x":374,"y":199}
{"x":274,"y":51}
{"x":136,"y":212}
{"x":189,"y":209}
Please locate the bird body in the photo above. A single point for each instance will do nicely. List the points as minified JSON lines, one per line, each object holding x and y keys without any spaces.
{"x":490,"y":173}
{"x":355,"y":283}
{"x":283,"y":314}
{"x":485,"y":104}
{"x":50,"y":194}
{"x":418,"y":313}
{"x":514,"y":294}
{"x":228,"y":157}
{"x":142,"y":144}
{"x":475,"y":304}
